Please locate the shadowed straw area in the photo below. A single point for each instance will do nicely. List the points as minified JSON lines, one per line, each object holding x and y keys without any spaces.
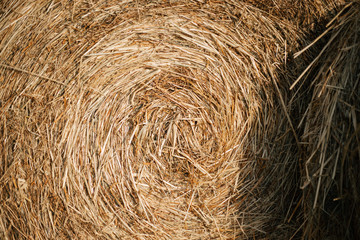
{"x":141,"y":120}
{"x":331,"y":149}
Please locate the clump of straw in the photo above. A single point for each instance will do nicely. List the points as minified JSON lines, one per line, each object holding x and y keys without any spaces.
{"x":331,"y":132}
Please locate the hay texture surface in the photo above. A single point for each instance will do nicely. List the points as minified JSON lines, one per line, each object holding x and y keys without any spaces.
{"x":179,"y":119}
{"x":136,"y":120}
{"x":331,"y":131}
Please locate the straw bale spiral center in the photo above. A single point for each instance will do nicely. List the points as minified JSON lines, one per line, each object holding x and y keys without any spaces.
{"x":165,"y":109}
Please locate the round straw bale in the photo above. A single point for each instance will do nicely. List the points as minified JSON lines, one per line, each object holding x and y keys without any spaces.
{"x":145,"y":120}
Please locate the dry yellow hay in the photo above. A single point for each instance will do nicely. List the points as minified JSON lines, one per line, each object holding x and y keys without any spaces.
{"x":303,"y":13}
{"x":137,"y":120}
{"x":171,"y":119}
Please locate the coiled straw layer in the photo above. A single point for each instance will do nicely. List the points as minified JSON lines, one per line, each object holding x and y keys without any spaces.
{"x":152,"y":120}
